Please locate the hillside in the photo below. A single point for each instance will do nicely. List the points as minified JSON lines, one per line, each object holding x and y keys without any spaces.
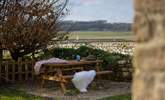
{"x":99,"y":25}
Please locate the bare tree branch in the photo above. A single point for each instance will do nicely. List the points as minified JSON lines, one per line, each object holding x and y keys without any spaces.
{"x":29,"y":25}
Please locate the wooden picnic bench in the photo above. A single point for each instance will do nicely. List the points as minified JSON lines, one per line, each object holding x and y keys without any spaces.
{"x":62,"y":72}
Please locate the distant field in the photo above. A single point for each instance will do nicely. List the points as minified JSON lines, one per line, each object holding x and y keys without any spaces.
{"x":101,"y":35}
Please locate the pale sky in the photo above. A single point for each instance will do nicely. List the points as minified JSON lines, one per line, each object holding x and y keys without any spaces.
{"x":110,"y":10}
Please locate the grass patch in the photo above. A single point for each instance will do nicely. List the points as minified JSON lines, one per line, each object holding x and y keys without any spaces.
{"x":120,"y":97}
{"x":10,"y":94}
{"x":72,"y":92}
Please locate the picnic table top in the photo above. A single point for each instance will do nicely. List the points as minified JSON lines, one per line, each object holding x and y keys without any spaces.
{"x":72,"y":63}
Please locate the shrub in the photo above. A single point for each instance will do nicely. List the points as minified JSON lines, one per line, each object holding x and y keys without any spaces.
{"x":64,"y":53}
{"x":84,"y":51}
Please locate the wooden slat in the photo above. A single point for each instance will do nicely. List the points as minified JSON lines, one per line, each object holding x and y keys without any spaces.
{"x":53,"y":78}
{"x":10,"y":73}
{"x":13,"y":72}
{"x":0,"y":72}
{"x":68,"y":76}
{"x":10,"y":62}
{"x":6,"y":72}
{"x":103,"y":72}
{"x":32,"y":69}
{"x":56,"y":78}
{"x":19,"y":64}
{"x":73,"y":63}
{"x":26,"y":70}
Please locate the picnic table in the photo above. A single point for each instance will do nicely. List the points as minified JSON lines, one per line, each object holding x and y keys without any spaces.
{"x":62,"y":72}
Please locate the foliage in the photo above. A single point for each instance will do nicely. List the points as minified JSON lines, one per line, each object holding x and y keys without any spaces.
{"x":65,"y":53}
{"x":30,"y":25}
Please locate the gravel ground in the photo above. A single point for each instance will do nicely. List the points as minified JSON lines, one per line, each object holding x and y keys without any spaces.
{"x":96,"y":90}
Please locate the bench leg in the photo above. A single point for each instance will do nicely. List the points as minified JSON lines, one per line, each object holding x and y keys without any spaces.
{"x":62,"y":84}
{"x":98,"y":70}
{"x":63,"y":87}
{"x":42,"y":85}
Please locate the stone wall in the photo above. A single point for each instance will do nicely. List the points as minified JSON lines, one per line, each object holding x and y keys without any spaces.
{"x":149,"y":56}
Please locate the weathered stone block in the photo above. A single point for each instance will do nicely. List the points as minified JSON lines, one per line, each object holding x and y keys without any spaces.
{"x":142,"y":28}
{"x":150,"y":56}
{"x":144,"y":84}
{"x":150,"y":6}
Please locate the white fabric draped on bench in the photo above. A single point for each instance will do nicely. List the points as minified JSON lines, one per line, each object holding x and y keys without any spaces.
{"x":38,"y":64}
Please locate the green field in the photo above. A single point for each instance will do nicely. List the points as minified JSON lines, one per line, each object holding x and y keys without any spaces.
{"x":100,"y":35}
